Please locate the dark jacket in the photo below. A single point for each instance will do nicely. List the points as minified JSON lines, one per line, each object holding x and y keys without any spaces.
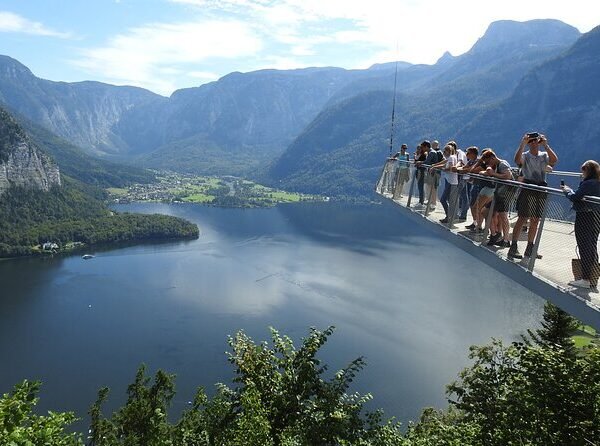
{"x":586,"y":188}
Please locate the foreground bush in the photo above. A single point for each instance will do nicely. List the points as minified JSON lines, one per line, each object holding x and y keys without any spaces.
{"x":529,"y":393}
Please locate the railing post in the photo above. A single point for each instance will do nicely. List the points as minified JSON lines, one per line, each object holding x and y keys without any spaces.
{"x":379,"y":185}
{"x":538,"y":236}
{"x":453,"y":204}
{"x":412,"y":185}
{"x":431,"y":189}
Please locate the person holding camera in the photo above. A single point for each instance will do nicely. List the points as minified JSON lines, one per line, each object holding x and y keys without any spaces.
{"x":587,"y":223}
{"x":531,"y":202}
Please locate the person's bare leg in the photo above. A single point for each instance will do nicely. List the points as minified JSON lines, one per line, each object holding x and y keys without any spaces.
{"x":482,"y":201}
{"x":505,"y":226}
{"x":517,"y":229}
{"x":534,"y":222}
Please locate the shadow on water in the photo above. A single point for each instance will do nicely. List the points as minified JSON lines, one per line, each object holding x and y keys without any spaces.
{"x":353,"y":226}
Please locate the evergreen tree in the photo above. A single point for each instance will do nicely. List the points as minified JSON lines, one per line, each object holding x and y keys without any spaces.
{"x":557,"y":329}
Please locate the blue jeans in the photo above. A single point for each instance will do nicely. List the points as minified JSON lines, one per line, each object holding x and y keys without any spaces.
{"x":421,"y":185}
{"x":465,"y":198}
{"x":449,"y":194}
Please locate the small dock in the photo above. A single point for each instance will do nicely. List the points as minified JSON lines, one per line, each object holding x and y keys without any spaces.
{"x":547,"y":277}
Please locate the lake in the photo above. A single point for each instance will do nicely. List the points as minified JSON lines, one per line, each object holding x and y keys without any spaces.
{"x":408,"y":301}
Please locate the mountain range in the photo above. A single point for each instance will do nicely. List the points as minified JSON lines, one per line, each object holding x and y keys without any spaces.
{"x":327,"y":130}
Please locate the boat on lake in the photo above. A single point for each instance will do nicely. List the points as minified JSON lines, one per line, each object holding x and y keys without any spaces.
{"x":87,"y":256}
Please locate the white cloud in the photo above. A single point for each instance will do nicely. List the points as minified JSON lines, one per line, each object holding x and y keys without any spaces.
{"x":154,"y":55}
{"x":411,"y":30}
{"x":239,"y":35}
{"x":14,"y":23}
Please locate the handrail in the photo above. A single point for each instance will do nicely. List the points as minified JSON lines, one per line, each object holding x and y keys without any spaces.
{"x":519,"y":184}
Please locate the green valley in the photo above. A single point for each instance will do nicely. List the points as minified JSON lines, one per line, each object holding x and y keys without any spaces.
{"x":226,"y":191}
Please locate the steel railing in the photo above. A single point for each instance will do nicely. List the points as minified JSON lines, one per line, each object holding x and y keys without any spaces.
{"x":554,"y":245}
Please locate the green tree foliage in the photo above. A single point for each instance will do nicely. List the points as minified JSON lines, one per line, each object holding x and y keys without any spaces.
{"x":520,"y":394}
{"x":280,"y":397}
{"x":19,"y":426}
{"x":74,"y":213}
{"x":444,"y":428}
{"x":530,"y":395}
{"x":557,"y":329}
{"x":142,"y":420}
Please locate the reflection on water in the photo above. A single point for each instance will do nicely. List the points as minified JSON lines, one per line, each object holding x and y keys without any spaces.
{"x":409,"y":302}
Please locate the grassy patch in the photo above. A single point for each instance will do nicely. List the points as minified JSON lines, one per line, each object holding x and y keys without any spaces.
{"x":582,"y":340}
{"x":117,"y":191}
{"x":198,"y":198}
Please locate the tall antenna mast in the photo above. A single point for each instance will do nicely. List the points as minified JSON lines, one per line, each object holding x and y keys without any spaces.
{"x":393,"y":108}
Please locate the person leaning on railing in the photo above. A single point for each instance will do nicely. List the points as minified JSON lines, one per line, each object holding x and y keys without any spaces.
{"x":420,"y":159}
{"x":531,"y":203}
{"x":434,"y":156}
{"x":471,"y":187}
{"x":450,"y":179}
{"x":484,"y":192}
{"x":503,"y":194}
{"x":587,"y":222}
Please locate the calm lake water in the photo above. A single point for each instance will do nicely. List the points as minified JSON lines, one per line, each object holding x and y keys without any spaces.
{"x":409,"y":302}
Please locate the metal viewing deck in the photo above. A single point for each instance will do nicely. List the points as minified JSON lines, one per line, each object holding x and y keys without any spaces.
{"x":548,"y":276}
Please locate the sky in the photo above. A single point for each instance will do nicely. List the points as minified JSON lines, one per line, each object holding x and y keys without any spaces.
{"x":164,"y":45}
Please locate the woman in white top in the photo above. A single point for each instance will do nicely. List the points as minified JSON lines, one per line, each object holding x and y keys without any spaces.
{"x":450,"y":180}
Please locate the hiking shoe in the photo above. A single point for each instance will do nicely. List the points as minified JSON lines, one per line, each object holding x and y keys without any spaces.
{"x":502,"y":244}
{"x":581,"y":283}
{"x":529,"y":250}
{"x":493,"y":239}
{"x":514,"y":253}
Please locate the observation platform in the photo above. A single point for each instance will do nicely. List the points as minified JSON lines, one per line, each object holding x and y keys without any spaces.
{"x":548,"y":276}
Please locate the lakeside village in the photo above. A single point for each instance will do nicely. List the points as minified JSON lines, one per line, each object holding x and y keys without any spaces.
{"x":172,"y":187}
{"x":226,"y":191}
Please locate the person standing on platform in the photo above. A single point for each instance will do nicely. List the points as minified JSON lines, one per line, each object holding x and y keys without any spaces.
{"x":450,"y":182}
{"x":402,"y":172}
{"x":423,"y":151}
{"x":434,"y":156}
{"x":531,"y":202}
{"x":587,"y":223}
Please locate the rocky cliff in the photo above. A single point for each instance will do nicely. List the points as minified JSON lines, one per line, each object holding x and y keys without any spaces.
{"x":21,"y":163}
{"x":84,"y":113}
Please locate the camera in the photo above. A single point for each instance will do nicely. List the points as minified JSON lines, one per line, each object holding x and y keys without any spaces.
{"x":533,"y":135}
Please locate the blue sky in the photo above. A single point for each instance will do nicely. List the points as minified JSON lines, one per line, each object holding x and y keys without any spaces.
{"x":164,"y":45}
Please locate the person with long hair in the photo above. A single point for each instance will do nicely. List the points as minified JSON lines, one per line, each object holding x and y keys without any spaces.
{"x":587,"y":223}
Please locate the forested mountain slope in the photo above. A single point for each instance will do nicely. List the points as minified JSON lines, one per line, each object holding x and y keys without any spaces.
{"x":329,"y":158}
{"x":560,"y":98}
{"x":38,"y":204}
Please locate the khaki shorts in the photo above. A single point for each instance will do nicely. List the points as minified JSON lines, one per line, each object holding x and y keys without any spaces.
{"x":487,"y":192}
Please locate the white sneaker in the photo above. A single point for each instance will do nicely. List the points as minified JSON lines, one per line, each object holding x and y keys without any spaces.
{"x":581,"y":283}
